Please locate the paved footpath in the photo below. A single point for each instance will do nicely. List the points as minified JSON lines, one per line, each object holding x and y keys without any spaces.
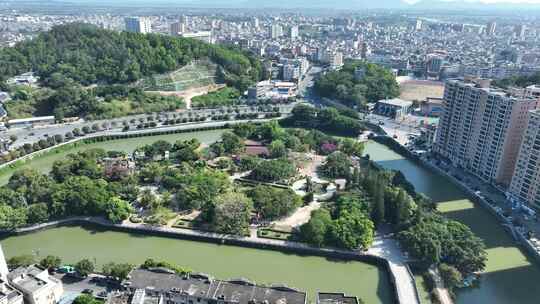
{"x":388,"y":248}
{"x":385,"y":248}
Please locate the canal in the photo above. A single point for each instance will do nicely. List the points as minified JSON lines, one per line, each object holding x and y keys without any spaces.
{"x":72,"y":243}
{"x":510,"y":276}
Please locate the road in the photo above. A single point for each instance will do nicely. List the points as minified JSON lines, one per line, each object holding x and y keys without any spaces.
{"x":32,"y":135}
{"x":305,"y":86}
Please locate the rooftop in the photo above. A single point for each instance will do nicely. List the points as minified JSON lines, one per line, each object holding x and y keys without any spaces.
{"x":335,"y":298}
{"x":31,"y":119}
{"x":241,"y":290}
{"x":29,"y":279}
{"x":396,"y":102}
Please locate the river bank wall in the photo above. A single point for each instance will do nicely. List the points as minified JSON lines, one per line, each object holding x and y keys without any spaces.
{"x":222,"y":239}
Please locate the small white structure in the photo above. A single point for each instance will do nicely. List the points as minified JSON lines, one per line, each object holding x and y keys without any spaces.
{"x":23,"y":79}
{"x":31,"y":122}
{"x":395,"y":107}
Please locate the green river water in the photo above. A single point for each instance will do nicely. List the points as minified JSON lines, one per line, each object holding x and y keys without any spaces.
{"x":510,"y":276}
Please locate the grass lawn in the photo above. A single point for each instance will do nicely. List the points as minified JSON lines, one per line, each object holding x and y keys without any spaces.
{"x":268,"y":233}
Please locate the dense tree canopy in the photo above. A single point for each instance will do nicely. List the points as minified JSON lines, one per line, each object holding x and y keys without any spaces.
{"x":88,"y":55}
{"x":71,"y":57}
{"x":346,"y":226}
{"x":273,"y":170}
{"x":437,"y":240}
{"x":232,"y":213}
{"x":271,"y":202}
{"x":376,"y":84}
{"x":519,"y":81}
{"x":337,"y":165}
{"x":328,"y":120}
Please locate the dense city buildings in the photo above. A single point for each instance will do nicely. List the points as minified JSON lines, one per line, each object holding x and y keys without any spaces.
{"x":419,"y":46}
{"x":481,"y":128}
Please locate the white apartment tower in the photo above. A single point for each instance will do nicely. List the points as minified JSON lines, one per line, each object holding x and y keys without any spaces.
{"x":490,"y":28}
{"x":138,"y":25}
{"x":293,"y":33}
{"x":276,"y":31}
{"x":525,"y":186}
{"x":177,"y":28}
{"x":418,"y":25}
{"x":481,"y":128}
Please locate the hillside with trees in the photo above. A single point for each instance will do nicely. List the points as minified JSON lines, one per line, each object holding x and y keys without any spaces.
{"x":376,"y":84}
{"x":89,"y":55}
{"x":72,"y":59}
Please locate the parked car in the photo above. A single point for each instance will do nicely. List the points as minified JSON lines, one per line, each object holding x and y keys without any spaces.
{"x":88,"y":291}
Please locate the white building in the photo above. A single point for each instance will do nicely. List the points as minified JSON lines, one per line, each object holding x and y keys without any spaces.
{"x":9,"y":295}
{"x":31,"y":122}
{"x":28,"y":285}
{"x":36,"y":285}
{"x":205,"y":36}
{"x":336,"y":60}
{"x":276,"y":31}
{"x":293,"y":33}
{"x":138,"y":25}
{"x":24,"y":79}
{"x":395,"y":107}
{"x":418,"y":25}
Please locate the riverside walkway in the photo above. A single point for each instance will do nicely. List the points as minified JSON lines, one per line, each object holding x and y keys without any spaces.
{"x":383,"y":248}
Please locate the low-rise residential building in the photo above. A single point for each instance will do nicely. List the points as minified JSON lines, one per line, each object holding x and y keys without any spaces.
{"x":432,"y":107}
{"x":162,"y":286}
{"x":118,"y":166}
{"x":276,"y":90}
{"x":9,"y":295}
{"x":36,"y":285}
{"x":395,"y":107}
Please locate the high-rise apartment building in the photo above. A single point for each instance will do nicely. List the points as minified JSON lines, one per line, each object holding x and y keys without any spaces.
{"x":521,"y":30}
{"x":490,"y":28}
{"x":418,"y":25}
{"x":481,"y":128}
{"x":525,"y":186}
{"x":177,"y":28}
{"x":138,"y":25}
{"x":293,"y":32}
{"x":276,"y":31}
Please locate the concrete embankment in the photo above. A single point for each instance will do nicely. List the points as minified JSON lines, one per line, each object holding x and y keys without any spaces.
{"x":400,"y":284}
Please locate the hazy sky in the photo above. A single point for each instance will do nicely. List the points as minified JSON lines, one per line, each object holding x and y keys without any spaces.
{"x":340,"y":4}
